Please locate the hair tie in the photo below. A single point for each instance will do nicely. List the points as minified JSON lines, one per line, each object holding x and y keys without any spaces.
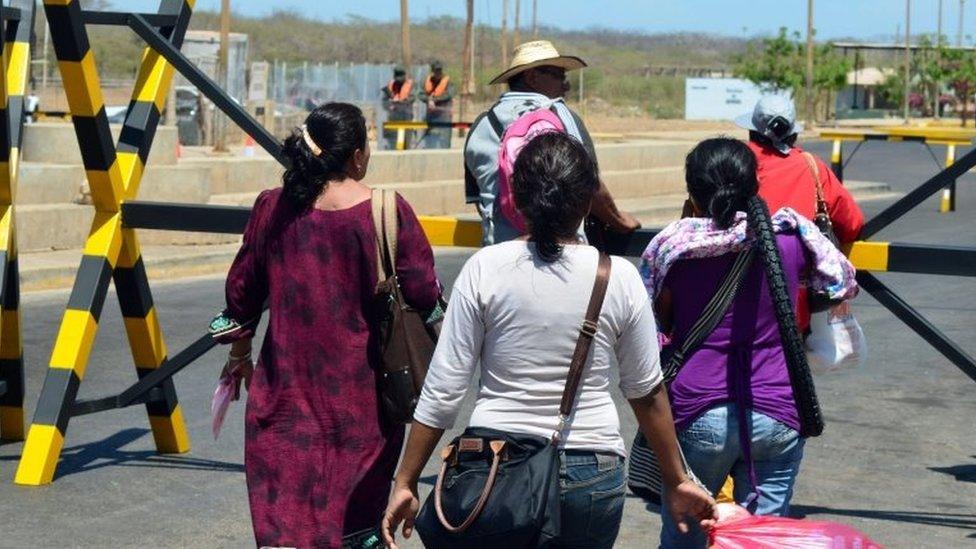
{"x":316,"y":150}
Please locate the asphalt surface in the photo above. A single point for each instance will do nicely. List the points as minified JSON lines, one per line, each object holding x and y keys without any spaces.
{"x":897,"y":460}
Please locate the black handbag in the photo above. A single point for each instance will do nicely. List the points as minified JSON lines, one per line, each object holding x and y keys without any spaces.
{"x":498,"y":489}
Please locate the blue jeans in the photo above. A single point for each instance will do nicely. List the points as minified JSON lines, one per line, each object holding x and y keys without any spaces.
{"x":713,"y":450}
{"x":592,"y":490}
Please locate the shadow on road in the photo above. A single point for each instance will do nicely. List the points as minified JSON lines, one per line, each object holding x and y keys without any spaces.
{"x":962,"y":473}
{"x":108,"y":452}
{"x":949,"y":520}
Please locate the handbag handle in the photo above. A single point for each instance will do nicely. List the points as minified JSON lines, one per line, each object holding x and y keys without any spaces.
{"x":496,"y":449}
{"x":587,"y":332}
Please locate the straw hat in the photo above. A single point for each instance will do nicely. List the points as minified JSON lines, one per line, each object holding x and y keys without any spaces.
{"x":539,"y":53}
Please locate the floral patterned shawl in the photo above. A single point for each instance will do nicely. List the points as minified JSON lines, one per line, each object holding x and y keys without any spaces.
{"x":698,"y":237}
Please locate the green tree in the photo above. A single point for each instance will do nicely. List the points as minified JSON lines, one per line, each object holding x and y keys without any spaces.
{"x":780,"y":65}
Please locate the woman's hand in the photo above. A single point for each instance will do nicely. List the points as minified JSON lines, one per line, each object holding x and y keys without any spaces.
{"x":688,"y":500}
{"x":239,"y":369}
{"x":402,"y":507}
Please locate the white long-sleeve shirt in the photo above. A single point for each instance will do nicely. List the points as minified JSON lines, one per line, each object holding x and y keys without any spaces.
{"x":519,"y":318}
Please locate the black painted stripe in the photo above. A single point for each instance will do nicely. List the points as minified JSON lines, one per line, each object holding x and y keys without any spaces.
{"x":139,"y":129}
{"x":15,"y":107}
{"x":57,"y":395}
{"x":95,"y":140}
{"x":12,"y":371}
{"x":5,"y":136}
{"x":11,"y":296}
{"x":67,"y":31}
{"x":166,"y":402}
{"x":132,"y":287}
{"x":931,"y":259}
{"x":91,"y":285}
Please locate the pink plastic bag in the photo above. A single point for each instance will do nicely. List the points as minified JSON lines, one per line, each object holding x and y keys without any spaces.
{"x":228,"y":390}
{"x":737,"y":529}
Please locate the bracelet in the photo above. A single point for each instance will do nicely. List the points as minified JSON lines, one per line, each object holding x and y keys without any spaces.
{"x":241,"y":358}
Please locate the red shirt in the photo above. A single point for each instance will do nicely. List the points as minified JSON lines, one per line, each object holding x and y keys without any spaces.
{"x":786,"y":180}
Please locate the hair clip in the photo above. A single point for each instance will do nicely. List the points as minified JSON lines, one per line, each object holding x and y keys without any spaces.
{"x":316,"y":150}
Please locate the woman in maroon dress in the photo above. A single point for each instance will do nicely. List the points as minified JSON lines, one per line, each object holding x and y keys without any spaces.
{"x":318,"y":457}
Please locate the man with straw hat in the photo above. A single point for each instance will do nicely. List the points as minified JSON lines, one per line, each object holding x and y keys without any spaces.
{"x":536,"y":79}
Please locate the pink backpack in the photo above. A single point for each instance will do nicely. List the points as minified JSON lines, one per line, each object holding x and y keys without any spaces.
{"x":523,"y":130}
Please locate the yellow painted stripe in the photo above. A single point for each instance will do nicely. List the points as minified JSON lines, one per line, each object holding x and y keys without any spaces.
{"x":170,"y":432}
{"x":40,"y":455}
{"x":18,"y":59}
{"x":11,"y":423}
{"x":106,"y":187}
{"x":74,"y":342}
{"x":10,"y":340}
{"x":129,"y":253}
{"x":835,"y":152}
{"x":82,"y":86}
{"x":869,"y":256}
{"x":6,"y":223}
{"x":131,"y":168}
{"x":13,"y":169}
{"x":152,"y":85}
{"x":105,"y":237}
{"x":57,"y":2}
{"x":146,"y":340}
{"x":449,"y":231}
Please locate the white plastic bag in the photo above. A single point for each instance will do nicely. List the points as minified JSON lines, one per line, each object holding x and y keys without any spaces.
{"x":836,"y":341}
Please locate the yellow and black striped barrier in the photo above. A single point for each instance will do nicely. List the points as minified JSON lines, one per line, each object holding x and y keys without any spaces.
{"x":950,"y":137}
{"x":401,"y":127}
{"x":15,"y":61}
{"x":111,"y":250}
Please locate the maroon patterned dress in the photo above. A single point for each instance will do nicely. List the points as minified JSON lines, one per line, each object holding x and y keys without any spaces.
{"x":318,"y":458}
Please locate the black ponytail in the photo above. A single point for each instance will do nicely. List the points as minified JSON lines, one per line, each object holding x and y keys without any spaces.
{"x":721,"y":177}
{"x":553,"y":182}
{"x":338,"y":130}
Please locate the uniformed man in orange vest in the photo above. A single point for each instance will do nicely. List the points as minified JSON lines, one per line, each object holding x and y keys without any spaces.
{"x":398,"y":97}
{"x":438,"y":93}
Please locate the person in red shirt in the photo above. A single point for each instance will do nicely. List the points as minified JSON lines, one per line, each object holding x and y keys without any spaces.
{"x":787,"y":180}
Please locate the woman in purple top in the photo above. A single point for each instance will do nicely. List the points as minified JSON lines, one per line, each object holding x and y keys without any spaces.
{"x":318,"y":457}
{"x":733,"y":401}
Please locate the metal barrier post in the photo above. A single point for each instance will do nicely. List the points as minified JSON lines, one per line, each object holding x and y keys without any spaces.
{"x":401,"y":142}
{"x":15,"y":65}
{"x":948,"y":203}
{"x":111,"y":251}
{"x":837,"y":159}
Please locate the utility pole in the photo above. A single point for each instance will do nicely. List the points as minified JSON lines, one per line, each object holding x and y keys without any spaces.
{"x":908,"y":54}
{"x":962,"y":6}
{"x":937,"y":92}
{"x":467,"y":63}
{"x":517,"y":39}
{"x":809,"y":79}
{"x":220,"y":121}
{"x":405,"y":35}
{"x":535,"y":12}
{"x":504,"y":33}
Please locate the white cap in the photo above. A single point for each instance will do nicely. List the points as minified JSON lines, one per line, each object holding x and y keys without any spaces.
{"x":769,"y":108}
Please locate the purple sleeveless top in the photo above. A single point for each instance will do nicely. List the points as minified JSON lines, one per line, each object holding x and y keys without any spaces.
{"x":742,"y":361}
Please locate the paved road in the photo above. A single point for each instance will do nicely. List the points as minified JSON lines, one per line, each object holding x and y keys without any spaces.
{"x":898,"y":458}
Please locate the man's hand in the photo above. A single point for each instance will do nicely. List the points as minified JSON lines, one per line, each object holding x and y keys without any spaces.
{"x":402,"y":507}
{"x":688,"y":501}
{"x":624,"y":223}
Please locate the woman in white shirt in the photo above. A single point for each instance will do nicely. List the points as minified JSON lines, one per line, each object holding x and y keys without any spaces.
{"x":515,"y":311}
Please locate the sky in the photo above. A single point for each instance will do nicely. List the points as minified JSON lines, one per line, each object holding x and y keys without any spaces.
{"x":860,"y":19}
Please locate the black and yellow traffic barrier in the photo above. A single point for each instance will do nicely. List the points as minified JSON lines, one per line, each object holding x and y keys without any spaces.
{"x":401,"y":127}
{"x":950,"y":137}
{"x":111,"y":251}
{"x":17,"y":25}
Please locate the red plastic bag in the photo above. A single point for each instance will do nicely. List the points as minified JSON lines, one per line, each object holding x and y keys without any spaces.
{"x":737,"y":529}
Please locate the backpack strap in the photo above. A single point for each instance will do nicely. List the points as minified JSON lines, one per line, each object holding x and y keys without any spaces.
{"x":495,"y":122}
{"x":712,"y":314}
{"x":587,"y":332}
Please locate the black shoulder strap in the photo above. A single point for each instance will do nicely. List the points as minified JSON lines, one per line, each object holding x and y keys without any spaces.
{"x":712,"y":314}
{"x":496,"y":124}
